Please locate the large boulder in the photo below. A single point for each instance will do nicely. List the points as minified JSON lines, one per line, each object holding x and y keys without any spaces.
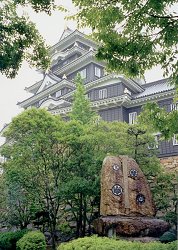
{"x":124,"y":188}
{"x":130,"y":226}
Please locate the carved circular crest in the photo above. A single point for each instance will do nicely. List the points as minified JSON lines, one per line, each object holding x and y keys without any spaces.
{"x":117,"y":190}
{"x":116,"y":167}
{"x":133,"y":173}
{"x":140,"y":198}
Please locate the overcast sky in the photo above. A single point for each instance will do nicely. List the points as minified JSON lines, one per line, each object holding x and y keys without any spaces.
{"x":12,"y":91}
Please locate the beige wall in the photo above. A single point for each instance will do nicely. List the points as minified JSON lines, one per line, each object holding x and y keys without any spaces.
{"x":170,"y":163}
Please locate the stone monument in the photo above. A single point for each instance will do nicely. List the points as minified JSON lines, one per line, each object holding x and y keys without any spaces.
{"x":126,"y":207}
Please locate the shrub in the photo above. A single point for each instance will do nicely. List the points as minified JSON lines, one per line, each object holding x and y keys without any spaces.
{"x":168,"y":237}
{"x":171,"y":217}
{"x":8,"y":240}
{"x":32,"y":241}
{"x":103,"y":243}
{"x":64,"y":228}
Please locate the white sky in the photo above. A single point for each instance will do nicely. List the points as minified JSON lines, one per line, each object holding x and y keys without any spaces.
{"x":12,"y":91}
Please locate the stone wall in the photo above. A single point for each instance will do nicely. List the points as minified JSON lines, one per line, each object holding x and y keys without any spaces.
{"x":170,"y":163}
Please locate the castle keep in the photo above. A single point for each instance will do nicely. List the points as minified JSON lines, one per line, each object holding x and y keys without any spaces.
{"x":113,"y":96}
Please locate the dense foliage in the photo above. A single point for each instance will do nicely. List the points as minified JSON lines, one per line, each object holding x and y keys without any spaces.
{"x":157,"y":119}
{"x":20,"y":39}
{"x":133,"y":35}
{"x":94,"y":243}
{"x":3,"y":194}
{"x":32,"y":241}
{"x":32,"y":172}
{"x":8,"y":240}
{"x":81,"y":109}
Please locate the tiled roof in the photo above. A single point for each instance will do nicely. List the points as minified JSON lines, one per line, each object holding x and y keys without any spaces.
{"x":45,"y":92}
{"x":154,"y":88}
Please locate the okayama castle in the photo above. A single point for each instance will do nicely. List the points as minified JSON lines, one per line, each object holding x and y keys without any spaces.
{"x":113,"y":96}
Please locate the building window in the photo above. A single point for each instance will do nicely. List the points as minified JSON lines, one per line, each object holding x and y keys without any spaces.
{"x":132,"y":117}
{"x":40,"y":102}
{"x":155,"y":144}
{"x":175,"y":140}
{"x":89,"y":95}
{"x":58,"y":93}
{"x":83,"y":73}
{"x":36,"y":104}
{"x":103,"y":93}
{"x":97,"y":71}
{"x":174,"y":106}
{"x":65,"y":62}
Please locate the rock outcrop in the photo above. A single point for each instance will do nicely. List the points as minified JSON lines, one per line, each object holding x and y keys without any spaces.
{"x":124,"y":189}
{"x":130,"y":226}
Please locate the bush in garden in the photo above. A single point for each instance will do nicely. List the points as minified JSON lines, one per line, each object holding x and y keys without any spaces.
{"x":8,"y":240}
{"x":103,"y":243}
{"x":64,"y":228}
{"x":32,"y":241}
{"x":171,"y":216}
{"x":168,"y":237}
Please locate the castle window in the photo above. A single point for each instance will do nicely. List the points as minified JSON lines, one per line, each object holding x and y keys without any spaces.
{"x":83,"y":73}
{"x":36,"y":104}
{"x":132,"y":117}
{"x":58,"y":93}
{"x":65,"y":62}
{"x":175,"y":140}
{"x":97,"y":71}
{"x":103,"y":93}
{"x":174,"y":106}
{"x":89,"y":95}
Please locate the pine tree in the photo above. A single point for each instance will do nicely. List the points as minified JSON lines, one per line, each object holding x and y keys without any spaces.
{"x":81,"y":108}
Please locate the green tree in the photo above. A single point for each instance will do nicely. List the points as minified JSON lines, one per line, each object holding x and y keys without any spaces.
{"x":23,"y":198}
{"x":20,"y":40}
{"x":35,"y":162}
{"x":165,"y":195}
{"x":133,"y":35}
{"x":3,"y":208}
{"x":157,"y":119}
{"x":81,"y":108}
{"x":162,"y":183}
{"x":144,"y":150}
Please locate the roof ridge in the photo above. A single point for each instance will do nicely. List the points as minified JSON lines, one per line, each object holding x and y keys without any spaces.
{"x":156,"y":82}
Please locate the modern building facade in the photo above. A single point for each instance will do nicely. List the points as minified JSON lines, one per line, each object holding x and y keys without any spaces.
{"x":113,"y":96}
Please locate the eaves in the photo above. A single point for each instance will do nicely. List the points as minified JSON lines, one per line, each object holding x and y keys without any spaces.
{"x":78,"y":63}
{"x":151,"y":98}
{"x":44,"y":93}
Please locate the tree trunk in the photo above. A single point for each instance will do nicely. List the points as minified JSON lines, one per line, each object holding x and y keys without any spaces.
{"x":80,"y":214}
{"x":84,"y":217}
{"x":53,"y":241}
{"x":23,"y":225}
{"x":77,"y":229}
{"x":53,"y":228}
